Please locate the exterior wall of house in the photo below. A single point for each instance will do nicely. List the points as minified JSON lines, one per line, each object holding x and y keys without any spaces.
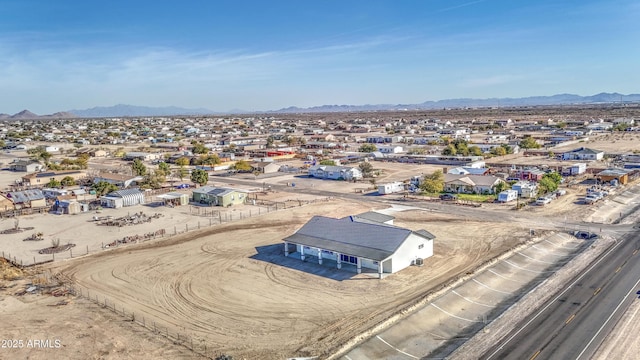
{"x":413,"y":247}
{"x":38,"y":203}
{"x":232,"y":198}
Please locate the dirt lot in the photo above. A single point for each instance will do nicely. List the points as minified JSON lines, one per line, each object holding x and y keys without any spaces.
{"x":230,"y":288}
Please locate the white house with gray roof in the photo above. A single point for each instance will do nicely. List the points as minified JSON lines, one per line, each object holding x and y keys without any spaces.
{"x":360,"y":240}
{"x":335,"y":172}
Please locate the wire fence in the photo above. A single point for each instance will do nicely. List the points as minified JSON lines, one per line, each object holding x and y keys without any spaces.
{"x":207,"y":217}
{"x":188,"y":341}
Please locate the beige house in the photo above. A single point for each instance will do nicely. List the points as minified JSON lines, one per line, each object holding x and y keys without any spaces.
{"x":43,"y":178}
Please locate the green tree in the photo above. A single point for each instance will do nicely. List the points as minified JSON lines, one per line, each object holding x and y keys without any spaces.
{"x":270,"y":142}
{"x":199,"y":176}
{"x":433,"y":183}
{"x":461,"y":147}
{"x":367,"y":148}
{"x":199,"y":148}
{"x":475,"y":150}
{"x":499,"y":151}
{"x":450,"y":150}
{"x":138,"y":168}
{"x":366,"y":168}
{"x":53,"y":183}
{"x":529,"y":143}
{"x":68,"y":181}
{"x":327,"y":162}
{"x":163,"y":166}
{"x":181,"y":172}
{"x":103,"y":187}
{"x":183,"y":161}
{"x":500,"y":187}
{"x":549,"y":182}
{"x":211,"y":159}
{"x":242,"y":166}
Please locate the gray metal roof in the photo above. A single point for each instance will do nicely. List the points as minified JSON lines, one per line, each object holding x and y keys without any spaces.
{"x":125,"y":192}
{"x":372,"y":216}
{"x":21,"y":197}
{"x":426,"y":234}
{"x":345,"y":236}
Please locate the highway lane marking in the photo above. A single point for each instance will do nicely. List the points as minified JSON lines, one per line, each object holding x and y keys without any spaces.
{"x":521,"y":268}
{"x":618,"y":269}
{"x":347,"y":357}
{"x":504,"y":277}
{"x":529,"y":257}
{"x":597,"y":291}
{"x":535,"y":355}
{"x":490,"y":288}
{"x":396,"y":349}
{"x":570,"y":318}
{"x":635,"y":251}
{"x":452,"y":315}
{"x":471,"y":301}
{"x":609,"y":318}
{"x":554,"y":300}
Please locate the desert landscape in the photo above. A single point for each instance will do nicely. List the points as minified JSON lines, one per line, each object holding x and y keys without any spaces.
{"x":216,"y":282}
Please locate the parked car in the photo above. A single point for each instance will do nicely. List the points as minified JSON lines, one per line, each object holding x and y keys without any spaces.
{"x":448,"y":197}
{"x":591,"y":198}
{"x":561,"y":192}
{"x":543,"y":201}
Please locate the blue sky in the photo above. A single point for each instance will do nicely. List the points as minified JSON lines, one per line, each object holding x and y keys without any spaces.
{"x":265,"y":55}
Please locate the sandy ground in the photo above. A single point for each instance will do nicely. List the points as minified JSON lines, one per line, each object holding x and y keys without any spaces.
{"x":229,"y":287}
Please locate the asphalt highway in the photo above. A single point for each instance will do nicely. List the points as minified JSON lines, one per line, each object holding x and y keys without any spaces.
{"x":575,"y":322}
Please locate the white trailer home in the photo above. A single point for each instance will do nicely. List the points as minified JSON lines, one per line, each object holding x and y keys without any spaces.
{"x":390,"y":188}
{"x":507,"y":195}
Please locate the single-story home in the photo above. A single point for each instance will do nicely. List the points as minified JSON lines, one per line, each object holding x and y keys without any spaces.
{"x":174,"y":198}
{"x":43,"y":178}
{"x":219,"y":196}
{"x":582,"y":153}
{"x":335,"y":172}
{"x":369,"y":244}
{"x":119,"y":180}
{"x":265,"y":167}
{"x":26,"y":166}
{"x":5,"y":203}
{"x":526,"y":189}
{"x":32,"y":198}
{"x":621,"y":176}
{"x":479,"y":184}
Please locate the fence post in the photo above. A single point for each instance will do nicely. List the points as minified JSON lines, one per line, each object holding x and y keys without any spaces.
{"x":71,"y":253}
{"x":87,"y":250}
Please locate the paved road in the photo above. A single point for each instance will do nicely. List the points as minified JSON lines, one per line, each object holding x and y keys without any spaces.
{"x":531,"y":220}
{"x":574,"y":323}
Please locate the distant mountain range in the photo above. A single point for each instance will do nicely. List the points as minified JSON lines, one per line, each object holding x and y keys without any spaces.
{"x":26,"y":114}
{"x":560,"y":99}
{"x":132,"y":110}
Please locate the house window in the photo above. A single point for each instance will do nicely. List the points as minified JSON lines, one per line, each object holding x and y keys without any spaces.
{"x":348,"y":259}
{"x":420,"y":246}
